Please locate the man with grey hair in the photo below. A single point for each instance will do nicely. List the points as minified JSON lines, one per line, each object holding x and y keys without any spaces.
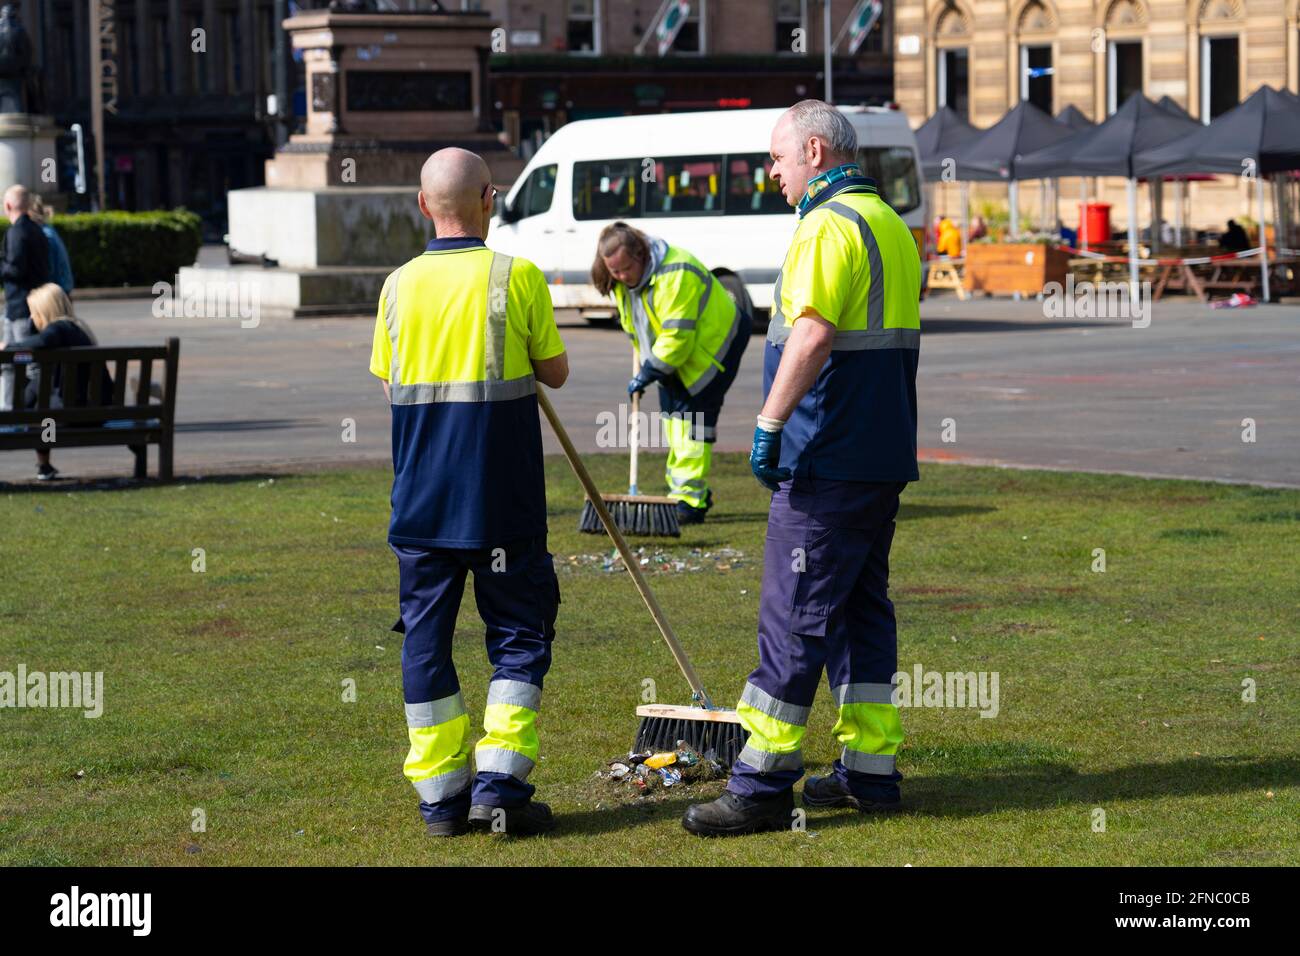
{"x":835,"y":443}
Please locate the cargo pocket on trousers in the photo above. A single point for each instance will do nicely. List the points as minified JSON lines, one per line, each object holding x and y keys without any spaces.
{"x":814,"y":589}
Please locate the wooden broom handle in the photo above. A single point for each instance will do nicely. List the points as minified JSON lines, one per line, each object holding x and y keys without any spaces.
{"x":642,"y":586}
{"x":634,"y":431}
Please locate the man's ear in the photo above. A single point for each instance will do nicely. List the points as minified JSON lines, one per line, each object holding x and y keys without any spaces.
{"x":424,"y":207}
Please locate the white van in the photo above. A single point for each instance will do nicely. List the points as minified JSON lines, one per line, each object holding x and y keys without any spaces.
{"x":698,"y":180}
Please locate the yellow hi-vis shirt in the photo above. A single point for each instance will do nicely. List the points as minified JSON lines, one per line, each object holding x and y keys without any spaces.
{"x":853,"y":262}
{"x":455,"y":336}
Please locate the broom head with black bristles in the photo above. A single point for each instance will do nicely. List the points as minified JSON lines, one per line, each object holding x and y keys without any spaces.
{"x":719,"y":731}
{"x":647,"y":516}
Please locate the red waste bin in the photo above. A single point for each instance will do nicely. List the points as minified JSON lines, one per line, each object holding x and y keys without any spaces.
{"x":1097,"y":217}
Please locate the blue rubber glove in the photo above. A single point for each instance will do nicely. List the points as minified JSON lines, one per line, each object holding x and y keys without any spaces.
{"x":644,"y":379}
{"x":765,"y":459}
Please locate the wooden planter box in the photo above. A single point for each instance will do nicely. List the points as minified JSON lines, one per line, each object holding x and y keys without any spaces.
{"x":1005,"y":268}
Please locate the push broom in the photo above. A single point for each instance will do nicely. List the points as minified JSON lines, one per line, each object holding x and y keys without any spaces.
{"x":648,"y":516}
{"x":703,"y":726}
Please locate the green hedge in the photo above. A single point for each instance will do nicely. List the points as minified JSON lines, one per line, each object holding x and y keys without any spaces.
{"x":128,"y":248}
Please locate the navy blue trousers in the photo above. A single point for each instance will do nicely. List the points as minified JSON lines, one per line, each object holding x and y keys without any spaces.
{"x":518,"y":597}
{"x":824,"y":606}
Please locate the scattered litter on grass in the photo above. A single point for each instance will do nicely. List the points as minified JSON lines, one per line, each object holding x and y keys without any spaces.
{"x":649,"y":773}
{"x":657,"y":561}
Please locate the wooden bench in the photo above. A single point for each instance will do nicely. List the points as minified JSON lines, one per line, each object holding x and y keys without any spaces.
{"x":137,"y":424}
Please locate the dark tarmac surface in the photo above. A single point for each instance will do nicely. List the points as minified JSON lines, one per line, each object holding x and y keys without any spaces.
{"x":1022,"y":389}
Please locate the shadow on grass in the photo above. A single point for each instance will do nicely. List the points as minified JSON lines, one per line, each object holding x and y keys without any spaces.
{"x":970,"y":794}
{"x":62,"y":485}
{"x":1051,"y":786}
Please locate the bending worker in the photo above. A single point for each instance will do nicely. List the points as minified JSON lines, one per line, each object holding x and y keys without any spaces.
{"x":690,"y":335}
{"x":462,"y":337}
{"x":836,"y":444}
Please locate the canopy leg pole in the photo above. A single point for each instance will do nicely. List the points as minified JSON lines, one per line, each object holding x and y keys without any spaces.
{"x":1013,"y":202}
{"x":1083,"y":213}
{"x":1157,"y":184}
{"x":1133,"y":240}
{"x":965,"y":216}
{"x":1263,"y":234}
{"x":1178,"y":212}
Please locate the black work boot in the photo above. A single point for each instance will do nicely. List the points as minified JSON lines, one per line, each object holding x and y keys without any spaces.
{"x":688,"y":515}
{"x":456,"y":826}
{"x":831,"y":791}
{"x":529,"y":820}
{"x":731,"y":815}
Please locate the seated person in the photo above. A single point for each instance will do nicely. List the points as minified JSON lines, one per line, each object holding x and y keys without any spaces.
{"x":1235,"y":239}
{"x":57,"y":328}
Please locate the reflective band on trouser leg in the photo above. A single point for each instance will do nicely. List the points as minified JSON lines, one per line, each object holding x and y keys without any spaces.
{"x":438,"y":762}
{"x":868,"y":728}
{"x":776,"y":730}
{"x":687,"y":471}
{"x":509,"y":744}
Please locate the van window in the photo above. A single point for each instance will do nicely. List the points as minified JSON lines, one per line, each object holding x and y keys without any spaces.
{"x":685,"y":185}
{"x":750,"y":188}
{"x":607,"y":189}
{"x":894,"y":170}
{"x":536,"y":195}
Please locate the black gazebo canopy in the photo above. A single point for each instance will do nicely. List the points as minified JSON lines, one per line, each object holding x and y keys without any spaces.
{"x":1108,"y":149}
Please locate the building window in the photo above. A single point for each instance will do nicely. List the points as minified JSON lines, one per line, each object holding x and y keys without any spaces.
{"x":198,"y":63}
{"x":1220,"y":76}
{"x":234,"y":52}
{"x":789,"y":18}
{"x":163,"y":55}
{"x":953,"y":80}
{"x":690,"y":39}
{"x":1036,"y":76}
{"x":584,"y":26}
{"x":1123,"y":72}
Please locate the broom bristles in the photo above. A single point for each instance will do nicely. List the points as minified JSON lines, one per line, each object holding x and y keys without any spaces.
{"x":724,"y":738}
{"x":649,"y":519}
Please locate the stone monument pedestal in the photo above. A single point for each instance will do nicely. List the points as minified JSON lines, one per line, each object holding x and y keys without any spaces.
{"x":27,"y":150}
{"x":338,"y":211}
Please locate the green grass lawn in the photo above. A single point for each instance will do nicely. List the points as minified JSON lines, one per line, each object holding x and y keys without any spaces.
{"x":223,"y":690}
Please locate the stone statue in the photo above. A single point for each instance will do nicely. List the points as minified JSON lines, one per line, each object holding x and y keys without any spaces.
{"x":19,"y":83}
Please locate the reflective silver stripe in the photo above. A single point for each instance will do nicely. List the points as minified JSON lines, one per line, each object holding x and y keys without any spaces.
{"x":780,"y":710}
{"x":765,"y":762}
{"x":659,"y":363}
{"x":641,"y":324}
{"x":390,"y":320}
{"x":775,"y":317}
{"x":862,"y":694}
{"x":867,"y":763}
{"x":431,"y":713}
{"x":856,"y":340}
{"x":495,"y":332}
{"x":514,"y":692}
{"x":679,"y":324}
{"x":427,"y":393}
{"x":501,"y":760}
{"x":444,"y":785}
{"x":705,"y":277}
{"x":876,"y":290}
